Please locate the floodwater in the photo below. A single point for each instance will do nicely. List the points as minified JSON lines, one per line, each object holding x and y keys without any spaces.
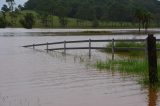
{"x":36,"y":78}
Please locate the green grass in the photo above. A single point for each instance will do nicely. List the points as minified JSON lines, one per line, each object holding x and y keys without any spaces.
{"x":52,"y":23}
{"x":132,"y":66}
{"x":72,"y":22}
{"x":131,"y":53}
{"x":88,"y":33}
{"x":129,"y":66}
{"x":135,"y":65}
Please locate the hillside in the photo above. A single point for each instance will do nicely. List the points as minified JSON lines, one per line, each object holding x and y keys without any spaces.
{"x":51,"y":21}
{"x":106,"y":10}
{"x":86,"y":13}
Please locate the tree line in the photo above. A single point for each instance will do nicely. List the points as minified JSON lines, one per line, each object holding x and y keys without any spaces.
{"x":27,"y":21}
{"x":114,"y":10}
{"x":142,"y":12}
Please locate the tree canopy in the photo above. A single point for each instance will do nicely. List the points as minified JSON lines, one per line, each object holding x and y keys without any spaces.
{"x":10,"y":3}
{"x":113,"y":10}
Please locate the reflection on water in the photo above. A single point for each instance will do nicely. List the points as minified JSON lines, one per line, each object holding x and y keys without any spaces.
{"x":37,"y":78}
{"x":152,"y":96}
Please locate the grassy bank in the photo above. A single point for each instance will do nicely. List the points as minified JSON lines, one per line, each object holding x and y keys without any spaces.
{"x":53,"y":22}
{"x":132,"y":53}
{"x":132,"y":66}
{"x":106,"y":32}
{"x":128,"y":66}
{"x":41,"y":21}
{"x":135,"y":65}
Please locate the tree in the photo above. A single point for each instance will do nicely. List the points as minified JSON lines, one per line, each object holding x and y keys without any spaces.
{"x":5,"y":8}
{"x":157,"y":21}
{"x":112,"y":10}
{"x":146,"y":19}
{"x":86,"y":12}
{"x":108,"y":10}
{"x":45,"y":19}
{"x":20,"y":7}
{"x":28,"y":21}
{"x":10,"y":3}
{"x":62,"y":14}
{"x":139,"y":17}
{"x":3,"y":22}
{"x":13,"y":16}
{"x":63,"y":21}
{"x":120,"y":11}
{"x":95,"y":23}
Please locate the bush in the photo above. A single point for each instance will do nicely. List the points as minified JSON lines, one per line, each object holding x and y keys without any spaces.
{"x":28,"y":21}
{"x":132,"y":53}
{"x":63,"y":21}
{"x":3,"y":22}
{"x":95,"y":23}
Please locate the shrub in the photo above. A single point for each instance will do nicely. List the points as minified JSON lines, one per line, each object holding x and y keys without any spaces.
{"x":95,"y":23}
{"x":3,"y":22}
{"x":63,"y":21}
{"x":128,"y":45}
{"x":28,"y":21}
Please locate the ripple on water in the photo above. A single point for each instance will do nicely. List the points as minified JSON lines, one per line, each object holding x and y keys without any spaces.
{"x":37,"y":78}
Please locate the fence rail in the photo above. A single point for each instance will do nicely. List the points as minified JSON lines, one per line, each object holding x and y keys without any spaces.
{"x":83,"y":41}
{"x":89,"y":47}
{"x":149,"y":48}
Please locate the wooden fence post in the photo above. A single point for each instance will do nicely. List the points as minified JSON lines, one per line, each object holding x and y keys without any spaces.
{"x":112,"y":49}
{"x":146,"y":49}
{"x":64,"y":47}
{"x":89,"y":48}
{"x":47,"y":47}
{"x":152,"y":59}
{"x":33,"y":46}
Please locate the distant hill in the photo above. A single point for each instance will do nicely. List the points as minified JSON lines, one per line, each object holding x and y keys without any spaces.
{"x":112,"y":10}
{"x":87,"y":14}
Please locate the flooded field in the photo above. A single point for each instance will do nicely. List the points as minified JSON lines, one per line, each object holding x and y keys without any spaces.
{"x":36,"y":78}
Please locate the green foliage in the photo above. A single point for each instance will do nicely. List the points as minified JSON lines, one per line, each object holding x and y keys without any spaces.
{"x":62,"y":13}
{"x":3,"y":22}
{"x":28,"y":21}
{"x":95,"y":23}
{"x":45,"y":20}
{"x":13,"y":16}
{"x":41,"y":20}
{"x":112,"y":10}
{"x":128,"y":66}
{"x":63,"y":21}
{"x":144,"y":18}
{"x":11,"y":3}
{"x":128,"y":45}
{"x":5,"y":8}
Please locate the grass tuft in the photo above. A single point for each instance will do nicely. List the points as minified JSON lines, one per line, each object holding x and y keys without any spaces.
{"x":130,"y":66}
{"x":131,"y":53}
{"x":134,"y":66}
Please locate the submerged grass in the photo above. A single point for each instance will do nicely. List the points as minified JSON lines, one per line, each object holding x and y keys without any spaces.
{"x":133,"y":66}
{"x":129,"y":66}
{"x":131,"y":53}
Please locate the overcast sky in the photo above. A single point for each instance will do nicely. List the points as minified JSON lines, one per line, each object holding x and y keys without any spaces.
{"x":16,"y":1}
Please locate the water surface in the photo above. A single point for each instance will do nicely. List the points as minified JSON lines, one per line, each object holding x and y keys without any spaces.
{"x":35,"y":78}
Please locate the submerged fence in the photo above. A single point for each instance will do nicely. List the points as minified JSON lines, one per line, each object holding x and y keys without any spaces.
{"x":150,"y":50}
{"x":90,"y":47}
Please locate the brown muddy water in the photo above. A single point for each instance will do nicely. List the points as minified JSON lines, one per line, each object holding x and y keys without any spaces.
{"x":35,"y":78}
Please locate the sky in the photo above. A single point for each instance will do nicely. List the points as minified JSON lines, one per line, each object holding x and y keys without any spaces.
{"x":16,"y":1}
